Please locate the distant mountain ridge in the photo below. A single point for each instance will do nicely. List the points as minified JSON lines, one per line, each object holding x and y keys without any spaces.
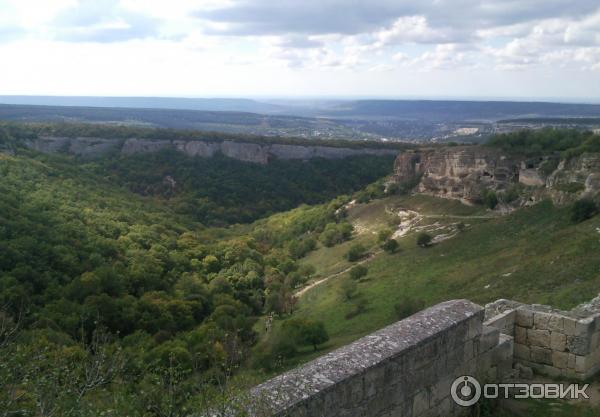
{"x":176,"y":103}
{"x":449,"y":110}
{"x":430,"y":110}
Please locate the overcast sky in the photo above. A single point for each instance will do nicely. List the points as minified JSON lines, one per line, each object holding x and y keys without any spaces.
{"x":377,"y":48}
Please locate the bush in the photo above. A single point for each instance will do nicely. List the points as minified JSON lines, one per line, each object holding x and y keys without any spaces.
{"x":549,"y":166}
{"x":408,"y":307}
{"x":358,"y":272}
{"x":582,"y":210}
{"x":348,"y":289}
{"x":384,"y":235}
{"x":511,"y":194}
{"x":390,"y":246}
{"x":571,"y":187}
{"x":356,"y":252}
{"x":359,"y":306}
{"x":490,"y":199}
{"x":424,"y":240}
{"x":336,"y":233}
{"x":305,"y":332}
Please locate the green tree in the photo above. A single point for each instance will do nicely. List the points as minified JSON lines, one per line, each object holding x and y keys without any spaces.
{"x":390,"y":246}
{"x":424,"y":239}
{"x":356,"y":252}
{"x":583,"y":209}
{"x":358,"y":272}
{"x":407,"y":307}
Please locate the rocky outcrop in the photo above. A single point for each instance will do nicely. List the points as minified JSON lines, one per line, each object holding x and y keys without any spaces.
{"x":466,"y":172}
{"x":583,"y":170}
{"x":84,"y":147}
{"x":243,"y":151}
{"x":457,"y":172}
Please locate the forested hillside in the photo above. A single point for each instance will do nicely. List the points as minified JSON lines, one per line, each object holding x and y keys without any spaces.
{"x":111,"y":277}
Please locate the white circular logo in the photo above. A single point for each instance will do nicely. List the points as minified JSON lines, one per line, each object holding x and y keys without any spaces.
{"x":465,"y":391}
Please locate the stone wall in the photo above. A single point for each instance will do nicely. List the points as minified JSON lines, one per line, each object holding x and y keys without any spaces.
{"x":405,"y":369}
{"x":551,"y":342}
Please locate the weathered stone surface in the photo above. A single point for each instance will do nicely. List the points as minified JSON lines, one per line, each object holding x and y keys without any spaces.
{"x":457,"y":172}
{"x":520,"y":335}
{"x":428,"y":334}
{"x":541,"y":355}
{"x":560,"y":360}
{"x":524,"y":318}
{"x":578,"y":345}
{"x":522,"y":351}
{"x":465,"y":172}
{"x":243,"y":151}
{"x":539,"y":338}
{"x":558,"y":341}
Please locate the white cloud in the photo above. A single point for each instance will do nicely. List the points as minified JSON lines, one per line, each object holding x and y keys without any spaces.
{"x":196,"y":47}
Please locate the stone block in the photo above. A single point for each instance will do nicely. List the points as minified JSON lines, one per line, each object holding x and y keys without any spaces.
{"x":470,"y":350}
{"x":420,"y":403}
{"x":520,"y":335}
{"x":571,"y":361}
{"x":578,"y":345}
{"x":488,"y":339}
{"x":560,"y":360}
{"x":584,"y":327}
{"x":541,"y":355}
{"x":475,"y":327}
{"x":524,"y":372}
{"x":556,"y":323}
{"x":522,"y":351}
{"x":550,"y":371}
{"x":558,"y":341}
{"x":580,"y":364}
{"x":541,"y":320}
{"x":504,"y":350}
{"x":569,"y":325}
{"x":540,"y":338}
{"x":595,"y":340}
{"x":524,"y":317}
{"x":441,"y":390}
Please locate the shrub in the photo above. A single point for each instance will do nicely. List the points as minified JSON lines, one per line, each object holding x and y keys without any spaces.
{"x":511,"y":194}
{"x":490,"y":199}
{"x":305,"y":332}
{"x":359,"y":306}
{"x":336,"y":233}
{"x":424,"y":240}
{"x":549,"y":166}
{"x":571,"y":187}
{"x":356,"y":252}
{"x":384,"y":235}
{"x":408,"y":307}
{"x":348,"y":289}
{"x":582,"y":210}
{"x":390,"y":246}
{"x":358,"y":272}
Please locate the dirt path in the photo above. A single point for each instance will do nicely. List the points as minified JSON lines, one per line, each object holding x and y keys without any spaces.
{"x":302,"y":291}
{"x":412,"y":219}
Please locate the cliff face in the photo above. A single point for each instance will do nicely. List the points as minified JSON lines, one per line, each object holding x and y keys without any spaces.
{"x":249,"y":152}
{"x":458,"y":172}
{"x":465,"y":172}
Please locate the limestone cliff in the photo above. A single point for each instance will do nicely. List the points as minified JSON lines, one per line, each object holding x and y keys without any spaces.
{"x":243,"y":151}
{"x":465,"y":172}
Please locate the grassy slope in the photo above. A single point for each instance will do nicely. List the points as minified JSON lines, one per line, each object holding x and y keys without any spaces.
{"x":533,"y":255}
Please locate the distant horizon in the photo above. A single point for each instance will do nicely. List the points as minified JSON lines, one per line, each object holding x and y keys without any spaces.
{"x":541,"y":99}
